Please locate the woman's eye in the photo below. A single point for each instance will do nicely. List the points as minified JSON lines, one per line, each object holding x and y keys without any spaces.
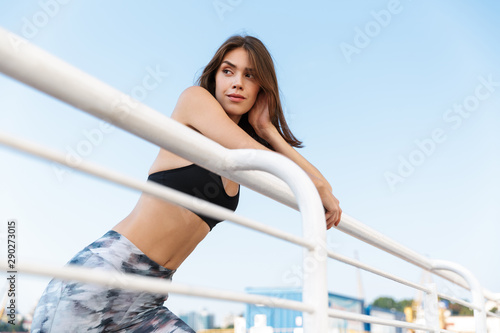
{"x":226,"y":71}
{"x":250,"y":76}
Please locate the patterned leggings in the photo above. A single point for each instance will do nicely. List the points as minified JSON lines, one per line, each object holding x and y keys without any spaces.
{"x":69,"y":306}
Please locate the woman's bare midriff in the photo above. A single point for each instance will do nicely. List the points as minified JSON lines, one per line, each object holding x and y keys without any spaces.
{"x":166,"y":233}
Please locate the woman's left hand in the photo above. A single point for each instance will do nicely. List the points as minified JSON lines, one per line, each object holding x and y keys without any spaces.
{"x":259,"y":115}
{"x":333,"y":212}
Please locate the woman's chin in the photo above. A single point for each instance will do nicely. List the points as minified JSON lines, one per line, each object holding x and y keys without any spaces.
{"x":235,"y":112}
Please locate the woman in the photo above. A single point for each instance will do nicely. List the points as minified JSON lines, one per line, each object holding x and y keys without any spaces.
{"x":236,"y":104}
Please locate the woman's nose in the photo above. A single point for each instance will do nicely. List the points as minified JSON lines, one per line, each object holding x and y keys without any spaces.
{"x":237,"y":83}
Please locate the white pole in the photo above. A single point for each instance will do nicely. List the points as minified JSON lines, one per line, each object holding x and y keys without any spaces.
{"x":129,"y":281}
{"x":475,"y":288}
{"x":431,"y":308}
{"x":315,"y":290}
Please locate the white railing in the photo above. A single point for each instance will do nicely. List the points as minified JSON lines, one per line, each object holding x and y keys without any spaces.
{"x":31,"y":65}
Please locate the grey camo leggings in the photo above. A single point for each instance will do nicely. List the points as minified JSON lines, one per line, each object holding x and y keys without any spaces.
{"x":69,"y":306}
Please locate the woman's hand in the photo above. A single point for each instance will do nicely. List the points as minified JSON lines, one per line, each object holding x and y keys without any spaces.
{"x":333,"y":212}
{"x":259,"y":116}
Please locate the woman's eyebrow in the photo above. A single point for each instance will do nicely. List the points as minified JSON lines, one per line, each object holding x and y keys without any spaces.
{"x":234,"y":66}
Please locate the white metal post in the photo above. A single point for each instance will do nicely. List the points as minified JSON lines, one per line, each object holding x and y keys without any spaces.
{"x":475,"y":288}
{"x":315,"y":290}
{"x":431,"y":308}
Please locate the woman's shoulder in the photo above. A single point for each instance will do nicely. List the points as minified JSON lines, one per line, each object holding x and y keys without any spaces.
{"x":195,"y":93}
{"x":195,"y":101}
{"x":199,"y":110}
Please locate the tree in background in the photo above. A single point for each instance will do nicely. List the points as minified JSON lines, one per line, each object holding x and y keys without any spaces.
{"x":460,"y":310}
{"x":385,"y":303}
{"x":390,"y":304}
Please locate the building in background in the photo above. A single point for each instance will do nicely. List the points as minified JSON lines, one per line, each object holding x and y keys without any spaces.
{"x":284,"y":320}
{"x":199,"y":320}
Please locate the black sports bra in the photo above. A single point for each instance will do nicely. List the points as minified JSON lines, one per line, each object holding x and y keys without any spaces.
{"x":198,"y":182}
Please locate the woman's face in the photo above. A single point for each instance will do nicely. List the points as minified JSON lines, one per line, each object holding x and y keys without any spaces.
{"x":236,"y":88}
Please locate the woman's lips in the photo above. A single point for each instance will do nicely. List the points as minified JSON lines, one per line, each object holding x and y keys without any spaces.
{"x":235,"y":98}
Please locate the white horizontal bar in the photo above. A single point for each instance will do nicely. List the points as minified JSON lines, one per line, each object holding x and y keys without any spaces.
{"x":368,"y":268}
{"x":459,"y":301}
{"x":150,"y":284}
{"x":492,"y":314}
{"x":378,"y":321}
{"x":160,"y":191}
{"x":353,"y":227}
{"x":374,"y":320}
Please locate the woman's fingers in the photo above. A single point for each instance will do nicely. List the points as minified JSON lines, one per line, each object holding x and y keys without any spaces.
{"x":338,"y":217}
{"x":333,"y":212}
{"x":331,"y":221}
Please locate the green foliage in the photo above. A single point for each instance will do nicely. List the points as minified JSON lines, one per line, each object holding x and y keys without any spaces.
{"x":385,"y":303}
{"x":460,"y":310}
{"x":390,"y":304}
{"x":402,"y":304}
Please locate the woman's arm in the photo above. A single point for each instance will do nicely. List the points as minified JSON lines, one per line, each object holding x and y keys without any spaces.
{"x":260,"y":120}
{"x":199,"y":110}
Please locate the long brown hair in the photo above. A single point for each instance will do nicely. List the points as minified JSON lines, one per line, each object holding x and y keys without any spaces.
{"x":265,"y":74}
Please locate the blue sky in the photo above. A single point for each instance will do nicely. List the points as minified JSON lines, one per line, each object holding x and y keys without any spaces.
{"x":372,"y":88}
